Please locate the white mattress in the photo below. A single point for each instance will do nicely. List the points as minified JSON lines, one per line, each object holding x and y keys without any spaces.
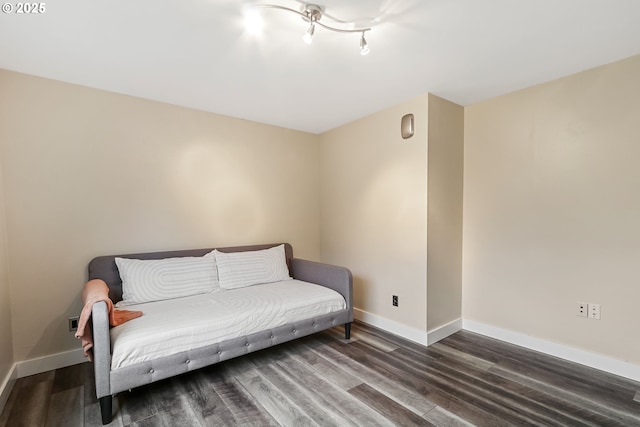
{"x":171,"y":326}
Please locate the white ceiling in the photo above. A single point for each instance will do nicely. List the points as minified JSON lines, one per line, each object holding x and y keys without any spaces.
{"x":196,"y":53}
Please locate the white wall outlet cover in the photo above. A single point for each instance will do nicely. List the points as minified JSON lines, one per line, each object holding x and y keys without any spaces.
{"x":582,"y":309}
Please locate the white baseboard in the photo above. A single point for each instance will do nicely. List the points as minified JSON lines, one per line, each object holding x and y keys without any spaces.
{"x":583,"y":357}
{"x":441,"y":332}
{"x":404,"y":331}
{"x":50,"y":362}
{"x":7,"y":385}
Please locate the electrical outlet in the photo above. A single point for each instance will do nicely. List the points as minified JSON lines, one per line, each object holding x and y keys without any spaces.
{"x":394,"y":300}
{"x":594,"y":311}
{"x":582,"y":309}
{"x":73,"y":324}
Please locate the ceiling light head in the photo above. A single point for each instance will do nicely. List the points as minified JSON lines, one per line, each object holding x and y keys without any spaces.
{"x":253,"y":21}
{"x":364,"y":46}
{"x":308,"y":36}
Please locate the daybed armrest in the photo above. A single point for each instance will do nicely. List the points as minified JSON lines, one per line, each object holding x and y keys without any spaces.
{"x":101,"y":348}
{"x":337,"y":278}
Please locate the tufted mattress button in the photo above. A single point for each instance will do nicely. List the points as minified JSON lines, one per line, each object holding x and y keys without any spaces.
{"x":247,"y":344}
{"x":294,"y":331}
{"x":187,"y":361}
{"x":272,"y":337}
{"x":151,"y":371}
{"x":219,"y":352}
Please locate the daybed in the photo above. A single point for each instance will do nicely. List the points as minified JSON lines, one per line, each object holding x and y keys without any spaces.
{"x":181,"y":349}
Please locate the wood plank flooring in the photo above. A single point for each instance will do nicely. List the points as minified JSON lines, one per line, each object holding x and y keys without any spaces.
{"x":375,"y":379}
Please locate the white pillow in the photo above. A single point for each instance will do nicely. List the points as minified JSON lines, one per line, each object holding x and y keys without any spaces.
{"x":239,"y":269}
{"x":160,"y":279}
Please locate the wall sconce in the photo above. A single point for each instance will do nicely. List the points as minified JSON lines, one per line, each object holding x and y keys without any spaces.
{"x":407,"y":126}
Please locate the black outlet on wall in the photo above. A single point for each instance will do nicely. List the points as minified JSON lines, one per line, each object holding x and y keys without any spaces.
{"x":394,"y":300}
{"x":73,"y":324}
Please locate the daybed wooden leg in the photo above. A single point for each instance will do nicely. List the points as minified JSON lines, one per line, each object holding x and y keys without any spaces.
{"x":347,"y":331}
{"x":105,"y":409}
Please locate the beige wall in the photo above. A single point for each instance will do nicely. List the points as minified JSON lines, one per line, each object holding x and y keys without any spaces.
{"x":444,"y":216}
{"x":550,"y":205}
{"x":373,"y":210}
{"x":6,"y":340}
{"x":88,"y":172}
{"x":552,"y":210}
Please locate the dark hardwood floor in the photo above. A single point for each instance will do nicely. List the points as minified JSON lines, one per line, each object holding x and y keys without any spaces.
{"x":374,"y":379}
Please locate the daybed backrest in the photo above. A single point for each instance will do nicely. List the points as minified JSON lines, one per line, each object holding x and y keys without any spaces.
{"x":104,"y":267}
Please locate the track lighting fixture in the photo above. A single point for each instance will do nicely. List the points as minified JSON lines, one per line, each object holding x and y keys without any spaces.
{"x":312,"y":14}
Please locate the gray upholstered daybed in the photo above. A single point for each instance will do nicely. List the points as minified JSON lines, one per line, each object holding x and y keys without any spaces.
{"x":111,"y":380}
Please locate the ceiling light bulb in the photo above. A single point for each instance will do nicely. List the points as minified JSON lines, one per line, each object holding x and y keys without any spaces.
{"x":364,"y":46}
{"x":253,"y":21}
{"x":308,"y":36}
